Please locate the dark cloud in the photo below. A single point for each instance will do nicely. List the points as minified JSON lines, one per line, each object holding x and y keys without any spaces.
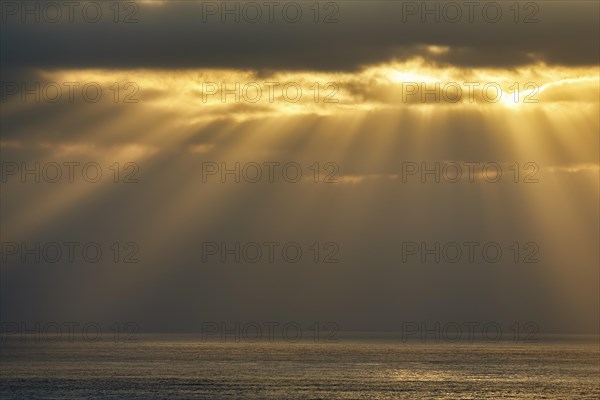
{"x":173,"y":35}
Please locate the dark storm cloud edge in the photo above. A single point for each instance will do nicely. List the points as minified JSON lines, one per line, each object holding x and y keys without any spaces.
{"x":173,"y":36}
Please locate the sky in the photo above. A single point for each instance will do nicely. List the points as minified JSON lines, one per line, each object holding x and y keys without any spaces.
{"x":376,"y":138}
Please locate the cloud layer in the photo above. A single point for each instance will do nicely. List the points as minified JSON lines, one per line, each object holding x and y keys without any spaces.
{"x":186,"y":34}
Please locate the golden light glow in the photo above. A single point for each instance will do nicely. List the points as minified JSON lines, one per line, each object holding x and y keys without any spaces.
{"x":204,"y":95}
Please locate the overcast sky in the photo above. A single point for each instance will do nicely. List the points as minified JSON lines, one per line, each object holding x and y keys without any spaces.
{"x":370,"y":134}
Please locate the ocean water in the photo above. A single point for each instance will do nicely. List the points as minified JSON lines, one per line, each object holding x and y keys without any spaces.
{"x":178,"y":368}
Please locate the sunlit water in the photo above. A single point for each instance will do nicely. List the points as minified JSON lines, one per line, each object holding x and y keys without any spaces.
{"x":168,"y":368}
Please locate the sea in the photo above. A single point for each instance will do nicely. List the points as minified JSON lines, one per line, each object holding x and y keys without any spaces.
{"x":183,"y":367}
